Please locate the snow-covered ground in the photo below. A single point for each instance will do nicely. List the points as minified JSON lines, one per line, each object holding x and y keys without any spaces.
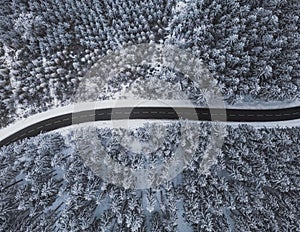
{"x":131,"y":124}
{"x":289,"y":123}
{"x":255,"y":104}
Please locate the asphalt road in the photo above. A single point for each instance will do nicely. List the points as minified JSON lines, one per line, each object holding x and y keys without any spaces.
{"x":152,"y":113}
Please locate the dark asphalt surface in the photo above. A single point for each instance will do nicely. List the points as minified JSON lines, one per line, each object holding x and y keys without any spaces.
{"x":158,"y":113}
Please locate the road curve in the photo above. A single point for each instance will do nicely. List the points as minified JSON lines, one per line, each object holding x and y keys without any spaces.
{"x":152,"y":113}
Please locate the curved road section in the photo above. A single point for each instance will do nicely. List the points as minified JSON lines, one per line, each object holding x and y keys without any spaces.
{"x":65,"y":117}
